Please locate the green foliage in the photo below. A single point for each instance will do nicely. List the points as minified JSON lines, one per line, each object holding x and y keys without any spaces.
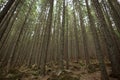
{"x":2,"y":1}
{"x":43,"y":1}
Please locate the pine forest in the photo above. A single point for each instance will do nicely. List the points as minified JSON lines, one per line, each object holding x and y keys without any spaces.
{"x":59,"y":39}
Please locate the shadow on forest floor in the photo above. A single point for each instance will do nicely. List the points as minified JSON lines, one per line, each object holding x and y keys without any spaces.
{"x":76,"y":71}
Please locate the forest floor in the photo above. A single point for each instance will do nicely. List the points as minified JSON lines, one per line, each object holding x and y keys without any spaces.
{"x":76,"y":71}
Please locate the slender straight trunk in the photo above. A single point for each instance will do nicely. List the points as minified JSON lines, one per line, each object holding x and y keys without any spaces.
{"x":97,"y":44}
{"x":47,"y":37}
{"x":84,"y":35}
{"x":116,"y":6}
{"x":58,"y":32}
{"x":18,"y":37}
{"x":9,"y":28}
{"x":71,"y":45}
{"x":76,"y":37}
{"x":66,"y":48}
{"x":115,"y":15}
{"x":62,"y":37}
{"x":6,"y":9}
{"x":111,"y":28}
{"x":7,"y":18}
{"x":106,"y":33}
{"x":43,"y":24}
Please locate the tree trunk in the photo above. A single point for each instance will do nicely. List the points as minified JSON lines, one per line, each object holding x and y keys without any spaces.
{"x":105,"y":31}
{"x":6,"y":9}
{"x":97,"y":44}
